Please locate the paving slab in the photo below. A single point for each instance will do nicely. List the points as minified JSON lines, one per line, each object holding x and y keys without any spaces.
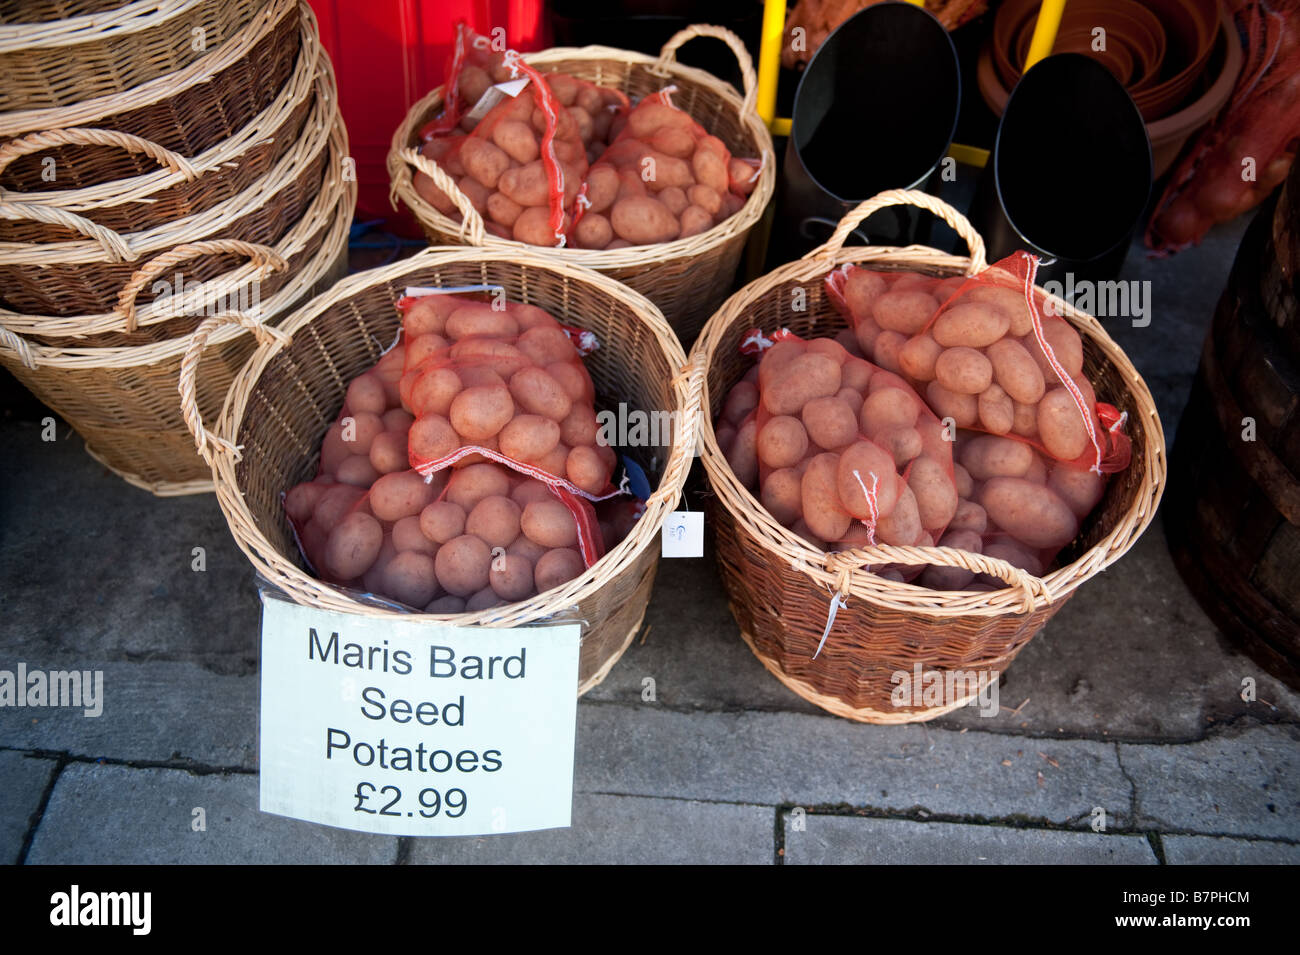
{"x":1239,"y":782}
{"x":618,"y":830}
{"x":115,"y":815}
{"x":25,"y":780}
{"x":153,"y":712}
{"x":855,"y":840}
{"x":809,"y":761}
{"x":1220,"y":850}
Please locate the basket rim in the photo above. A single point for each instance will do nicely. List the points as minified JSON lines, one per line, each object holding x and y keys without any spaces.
{"x":104,"y":26}
{"x":333,"y":204}
{"x":788,"y":547}
{"x":18,"y":122}
{"x":403,"y":158}
{"x":261,"y":128}
{"x":309,"y":591}
{"x":314,"y":140}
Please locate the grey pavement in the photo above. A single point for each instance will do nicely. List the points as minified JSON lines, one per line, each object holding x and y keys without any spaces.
{"x":1126,"y":708}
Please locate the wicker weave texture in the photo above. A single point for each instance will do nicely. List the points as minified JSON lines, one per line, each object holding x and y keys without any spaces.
{"x":687,"y":278}
{"x":781,"y":589}
{"x":287,"y":395}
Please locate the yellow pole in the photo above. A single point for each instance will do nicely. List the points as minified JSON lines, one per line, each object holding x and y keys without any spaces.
{"x":769,"y":58}
{"x":1049,"y":22}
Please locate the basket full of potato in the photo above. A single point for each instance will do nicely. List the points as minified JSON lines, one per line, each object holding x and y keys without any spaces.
{"x":637,"y":167}
{"x":917,"y":458}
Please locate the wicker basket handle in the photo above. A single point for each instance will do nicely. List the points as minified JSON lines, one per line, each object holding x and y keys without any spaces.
{"x":85,"y":136}
{"x":115,"y":247}
{"x":668,"y":56}
{"x":844,"y":563}
{"x":471,"y":223}
{"x":264,"y":257}
{"x":905,"y":197}
{"x":207,"y":442}
{"x":17,"y":344}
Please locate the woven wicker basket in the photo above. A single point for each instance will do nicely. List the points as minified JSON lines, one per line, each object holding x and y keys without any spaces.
{"x":60,"y":62}
{"x":188,"y":112}
{"x":687,"y":278}
{"x":287,"y":395}
{"x":181,"y":187}
{"x":39,"y":11}
{"x":122,"y":400}
{"x":87,"y":275}
{"x":781,"y":589}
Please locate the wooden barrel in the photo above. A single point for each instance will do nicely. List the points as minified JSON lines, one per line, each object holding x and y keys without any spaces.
{"x":1232,"y":511}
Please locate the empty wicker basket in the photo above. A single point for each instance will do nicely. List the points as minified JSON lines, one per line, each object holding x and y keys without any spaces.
{"x":686,"y":278}
{"x":282,"y":401}
{"x":781,"y":589}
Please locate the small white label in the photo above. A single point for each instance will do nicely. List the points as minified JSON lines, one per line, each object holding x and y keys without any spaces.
{"x":683,"y":534}
{"x":414,"y":729}
{"x":493,"y":95}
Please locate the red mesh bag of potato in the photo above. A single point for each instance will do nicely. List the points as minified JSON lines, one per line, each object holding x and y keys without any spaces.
{"x":988,"y":353}
{"x":663,"y":178}
{"x":842,"y":452}
{"x":521,"y":167}
{"x":1014,"y":503}
{"x":473,"y":66}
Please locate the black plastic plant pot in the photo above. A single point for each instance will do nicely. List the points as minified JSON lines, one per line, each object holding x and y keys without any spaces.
{"x":1070,"y":173}
{"x":875,"y":110}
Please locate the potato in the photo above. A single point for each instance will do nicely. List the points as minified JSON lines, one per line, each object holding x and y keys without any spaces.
{"x":741,"y":400}
{"x":516,"y":139}
{"x":545,"y":345}
{"x":1066,"y":346}
{"x":410,"y":578}
{"x":963,"y":370}
{"x":1061,"y":425}
{"x":830,"y":348}
{"x":511,"y":577}
{"x":1037,"y":470}
{"x":483,"y":160}
{"x":301,"y":500}
{"x":580,"y":427}
{"x":775,"y":359}
{"x":674,"y":199}
{"x":502,"y":357}
{"x":969,"y":516}
{"x":593,"y":231}
{"x":990,"y":456}
{"x":802,"y":530}
{"x":972,"y":324}
{"x":463,"y":565}
{"x":528,"y":437}
{"x":473,"y":83}
{"x":1016,"y":371}
{"x":856,"y":375}
{"x":480,"y":413}
{"x":469,"y":485}
{"x":995,"y":410}
{"x":585,"y":469}
{"x":336,"y":501}
{"x":861,"y":290}
{"x":695,"y":220}
{"x":917,"y":357}
{"x":480,"y":320}
{"x":706,"y":198}
{"x":397,"y":419}
{"x":523,"y":547}
{"x":1014,"y":555}
{"x":534,"y":227}
{"x":782,"y":441}
{"x":742,"y":177}
{"x":1079,"y":488}
{"x":642,"y":220}
{"x":660,"y":171}
{"x":477,"y":193}
{"x":805,"y":377}
{"x":484,"y":599}
{"x":963,"y":409}
{"x":782,"y":495}
{"x":709,"y":165}
{"x":530,"y":490}
{"x":495,"y":519}
{"x":822,"y":510}
{"x":537,"y":392}
{"x":1029,"y":512}
{"x":557,"y":567}
{"x":830,"y":422}
{"x":743,"y":454}
{"x":401,"y":494}
{"x":556,"y":461}
{"x":366,"y":393}
{"x":902,"y":525}
{"x":963,"y":481}
{"x":887,"y":348}
{"x":503,"y":210}
{"x":1024,"y":419}
{"x":357,"y":433}
{"x":431,"y":438}
{"x":936,"y":496}
{"x":527,"y":185}
{"x":573,"y":378}
{"x":357,"y":470}
{"x":862,"y":466}
{"x":353,"y":546}
{"x":644,"y":121}
{"x":430,"y":193}
{"x":549,"y":523}
{"x":888,"y":409}
{"x":388,"y":453}
{"x":673,"y":141}
{"x":905,"y":311}
{"x":903,"y":443}
{"x":602,"y":187}
{"x":952,"y":578}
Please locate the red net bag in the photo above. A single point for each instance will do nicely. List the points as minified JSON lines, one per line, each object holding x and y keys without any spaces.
{"x":1236,"y":162}
{"x":986,"y":356}
{"x":663,"y":178}
{"x":475,"y":64}
{"x":841,"y":452}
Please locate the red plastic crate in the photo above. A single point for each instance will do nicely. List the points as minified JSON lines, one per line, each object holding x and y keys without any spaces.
{"x":388,"y":54}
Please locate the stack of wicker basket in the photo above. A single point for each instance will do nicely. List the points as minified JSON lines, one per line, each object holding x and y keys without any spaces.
{"x":160,"y":161}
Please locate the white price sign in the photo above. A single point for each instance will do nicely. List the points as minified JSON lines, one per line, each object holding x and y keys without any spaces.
{"x":413,"y":729}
